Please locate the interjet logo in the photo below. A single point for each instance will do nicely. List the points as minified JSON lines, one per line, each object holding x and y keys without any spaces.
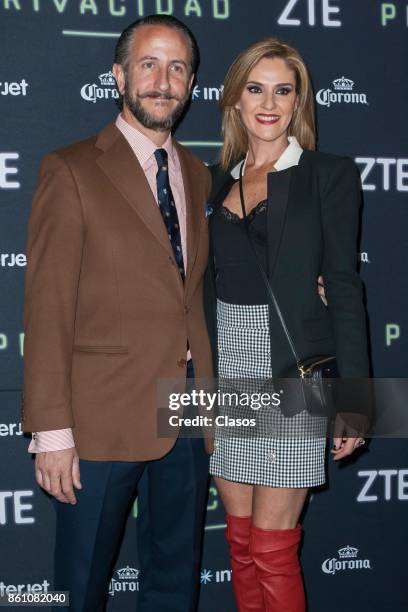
{"x":208,"y":576}
{"x":10,"y":260}
{"x":208,"y":94}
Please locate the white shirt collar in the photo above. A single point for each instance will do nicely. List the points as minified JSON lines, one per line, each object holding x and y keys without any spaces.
{"x":290,"y":157}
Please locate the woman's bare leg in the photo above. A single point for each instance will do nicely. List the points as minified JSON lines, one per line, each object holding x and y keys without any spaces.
{"x":277,"y":508}
{"x":236,"y":496}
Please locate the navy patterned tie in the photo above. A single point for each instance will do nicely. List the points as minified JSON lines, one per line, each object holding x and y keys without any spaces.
{"x":168,"y":207}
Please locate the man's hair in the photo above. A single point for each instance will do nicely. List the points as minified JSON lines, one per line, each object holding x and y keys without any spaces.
{"x":124,"y":44}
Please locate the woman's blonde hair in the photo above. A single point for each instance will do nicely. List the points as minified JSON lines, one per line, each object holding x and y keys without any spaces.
{"x":302,"y":125}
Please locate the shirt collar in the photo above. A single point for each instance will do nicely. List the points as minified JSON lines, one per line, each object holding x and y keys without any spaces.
{"x":290,"y":157}
{"x":141,"y":145}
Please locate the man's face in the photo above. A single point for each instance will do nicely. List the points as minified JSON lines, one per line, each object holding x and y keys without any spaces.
{"x":158,"y":79}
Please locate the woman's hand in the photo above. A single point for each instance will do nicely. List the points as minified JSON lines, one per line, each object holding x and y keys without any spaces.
{"x":344,"y":445}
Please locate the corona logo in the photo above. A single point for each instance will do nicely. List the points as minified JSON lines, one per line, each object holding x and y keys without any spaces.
{"x":342,"y":92}
{"x":348,"y":552}
{"x":105,"y":90}
{"x":363,"y":257}
{"x":347,"y":560}
{"x":128,"y":573}
{"x":107,"y":79}
{"x":343,"y":84}
{"x":127,"y":581}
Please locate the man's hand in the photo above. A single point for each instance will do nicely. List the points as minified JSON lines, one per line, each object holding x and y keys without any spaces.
{"x":57,"y":472}
{"x":320,"y":290}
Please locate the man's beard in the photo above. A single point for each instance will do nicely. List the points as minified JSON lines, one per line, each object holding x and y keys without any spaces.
{"x":134,"y":104}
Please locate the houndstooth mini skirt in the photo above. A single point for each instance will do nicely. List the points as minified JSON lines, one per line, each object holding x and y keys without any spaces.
{"x":276,"y":451}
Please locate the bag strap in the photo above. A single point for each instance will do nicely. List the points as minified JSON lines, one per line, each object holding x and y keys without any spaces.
{"x":264,"y":276}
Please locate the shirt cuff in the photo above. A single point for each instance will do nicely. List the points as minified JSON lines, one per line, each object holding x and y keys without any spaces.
{"x":45,"y":441}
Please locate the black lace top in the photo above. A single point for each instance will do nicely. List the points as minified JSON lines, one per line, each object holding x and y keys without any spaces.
{"x":238,"y":279}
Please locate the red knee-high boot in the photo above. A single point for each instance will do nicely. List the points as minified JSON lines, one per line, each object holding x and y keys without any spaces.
{"x":247,"y":590}
{"x":275,"y":554}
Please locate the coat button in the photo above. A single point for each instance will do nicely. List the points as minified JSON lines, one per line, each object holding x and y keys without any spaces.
{"x":186,"y":310}
{"x":182,"y":363}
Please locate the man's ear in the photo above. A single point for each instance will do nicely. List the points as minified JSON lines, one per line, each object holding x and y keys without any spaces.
{"x":191,"y":81}
{"x":119,"y":75}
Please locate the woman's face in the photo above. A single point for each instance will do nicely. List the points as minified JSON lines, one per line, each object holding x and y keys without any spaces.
{"x":268,"y":100}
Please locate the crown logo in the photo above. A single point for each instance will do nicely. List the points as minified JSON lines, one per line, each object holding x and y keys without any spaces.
{"x":128,"y":573}
{"x":107,"y":78}
{"x":348,"y":552}
{"x":343,"y":84}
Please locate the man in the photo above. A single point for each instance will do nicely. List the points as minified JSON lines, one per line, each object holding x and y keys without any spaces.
{"x":117,"y":247}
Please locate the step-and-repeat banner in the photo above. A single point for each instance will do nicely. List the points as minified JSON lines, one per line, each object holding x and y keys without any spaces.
{"x":55,"y":88}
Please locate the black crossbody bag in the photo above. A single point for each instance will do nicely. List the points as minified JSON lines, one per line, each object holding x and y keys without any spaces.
{"x":308,"y":383}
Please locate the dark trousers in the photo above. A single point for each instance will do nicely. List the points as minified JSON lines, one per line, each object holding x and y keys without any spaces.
{"x":172,"y":494}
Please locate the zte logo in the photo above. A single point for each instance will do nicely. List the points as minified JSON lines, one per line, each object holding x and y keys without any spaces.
{"x":7,"y":169}
{"x":383,"y":172}
{"x":323,"y":11}
{"x":383,"y":485}
{"x":13,"y":508}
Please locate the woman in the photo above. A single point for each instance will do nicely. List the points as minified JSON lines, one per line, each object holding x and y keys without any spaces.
{"x":302,"y":220}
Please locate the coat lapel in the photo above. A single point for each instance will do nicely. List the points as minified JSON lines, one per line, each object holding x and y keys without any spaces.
{"x":278,"y":199}
{"x":120,"y":165}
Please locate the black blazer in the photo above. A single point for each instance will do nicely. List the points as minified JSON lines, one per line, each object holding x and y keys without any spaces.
{"x":313,"y":230}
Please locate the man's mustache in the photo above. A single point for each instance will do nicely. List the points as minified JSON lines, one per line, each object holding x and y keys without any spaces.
{"x":159,"y":94}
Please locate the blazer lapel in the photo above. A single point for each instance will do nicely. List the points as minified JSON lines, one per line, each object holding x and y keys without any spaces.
{"x":122,"y":168}
{"x":278,"y":196}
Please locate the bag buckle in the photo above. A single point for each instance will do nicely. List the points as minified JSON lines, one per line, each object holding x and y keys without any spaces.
{"x":303,"y":370}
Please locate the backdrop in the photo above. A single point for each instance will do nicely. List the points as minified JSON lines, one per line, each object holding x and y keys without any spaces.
{"x":56,"y":88}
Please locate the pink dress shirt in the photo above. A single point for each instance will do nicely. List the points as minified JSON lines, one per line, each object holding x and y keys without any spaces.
{"x":143,"y":148}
